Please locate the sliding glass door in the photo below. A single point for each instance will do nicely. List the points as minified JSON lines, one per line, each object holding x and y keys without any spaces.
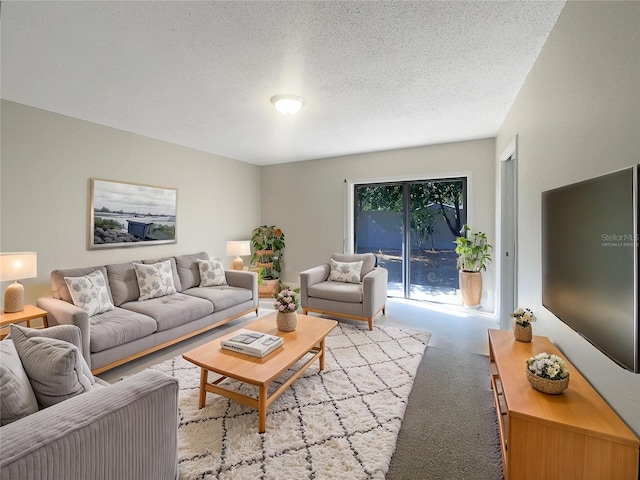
{"x":411,"y":227}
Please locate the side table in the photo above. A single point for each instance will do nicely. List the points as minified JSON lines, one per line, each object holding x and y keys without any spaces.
{"x":30,"y":312}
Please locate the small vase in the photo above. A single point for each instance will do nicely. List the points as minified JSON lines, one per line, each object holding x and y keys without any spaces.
{"x":287,"y":321}
{"x":522,"y":333}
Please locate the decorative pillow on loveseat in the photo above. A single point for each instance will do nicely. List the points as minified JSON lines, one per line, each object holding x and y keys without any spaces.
{"x":211,"y":273}
{"x":90,"y":293}
{"x":155,"y":280}
{"x":348,"y":272}
{"x":17,"y":399}
{"x":55,"y":367}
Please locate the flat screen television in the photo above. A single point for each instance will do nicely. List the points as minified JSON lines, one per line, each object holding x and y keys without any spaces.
{"x":590,"y":262}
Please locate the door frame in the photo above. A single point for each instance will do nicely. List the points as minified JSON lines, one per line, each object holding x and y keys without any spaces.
{"x":508,"y":250}
{"x":349,"y":194}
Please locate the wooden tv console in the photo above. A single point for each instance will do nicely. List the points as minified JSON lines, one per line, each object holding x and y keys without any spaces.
{"x":574,"y":435}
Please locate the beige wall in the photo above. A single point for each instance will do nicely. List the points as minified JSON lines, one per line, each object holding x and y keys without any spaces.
{"x":307,"y":199}
{"x":577,"y":116}
{"x":48,"y":159}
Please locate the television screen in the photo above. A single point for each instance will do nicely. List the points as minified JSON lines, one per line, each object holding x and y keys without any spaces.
{"x":589,"y":262}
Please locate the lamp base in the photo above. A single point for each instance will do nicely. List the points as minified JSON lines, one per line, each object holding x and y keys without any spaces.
{"x":237,"y":264}
{"x":14,"y":298}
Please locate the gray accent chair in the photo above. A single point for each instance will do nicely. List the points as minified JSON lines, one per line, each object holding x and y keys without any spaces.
{"x":124,"y":431}
{"x":358,"y":301}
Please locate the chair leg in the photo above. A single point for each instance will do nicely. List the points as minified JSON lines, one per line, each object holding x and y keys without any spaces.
{"x":384,"y":310}
{"x":370,"y":320}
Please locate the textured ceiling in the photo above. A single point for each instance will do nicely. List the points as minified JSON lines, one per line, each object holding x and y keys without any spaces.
{"x":375,"y":75}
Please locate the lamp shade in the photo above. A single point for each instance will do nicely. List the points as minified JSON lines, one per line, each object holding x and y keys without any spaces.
{"x":18,"y":266}
{"x":239,"y":248}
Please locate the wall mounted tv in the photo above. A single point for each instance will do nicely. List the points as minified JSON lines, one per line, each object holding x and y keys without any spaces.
{"x":590,"y":262}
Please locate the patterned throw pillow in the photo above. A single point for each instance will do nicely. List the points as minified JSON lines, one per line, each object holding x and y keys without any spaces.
{"x":90,"y":293}
{"x":155,"y":280}
{"x":211,"y":273}
{"x":348,"y":272}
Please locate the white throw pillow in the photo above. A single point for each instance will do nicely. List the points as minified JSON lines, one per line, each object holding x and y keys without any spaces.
{"x":211,"y":273}
{"x":155,"y":280}
{"x":56,"y":368}
{"x":348,"y":272}
{"x":90,"y":293}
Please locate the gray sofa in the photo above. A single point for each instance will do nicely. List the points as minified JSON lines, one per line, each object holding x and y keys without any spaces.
{"x":359,"y":298}
{"x":135,"y":328}
{"x":128,"y":430}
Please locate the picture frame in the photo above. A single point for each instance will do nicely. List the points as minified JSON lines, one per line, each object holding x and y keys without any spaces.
{"x":125,"y":214}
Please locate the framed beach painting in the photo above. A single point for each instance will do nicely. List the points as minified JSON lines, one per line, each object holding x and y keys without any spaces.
{"x":123,"y":214}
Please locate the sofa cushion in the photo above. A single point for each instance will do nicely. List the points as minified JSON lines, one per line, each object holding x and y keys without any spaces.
{"x":348,"y":272}
{"x":90,"y":292}
{"x":368,"y":260}
{"x":60,"y":288}
{"x":211,"y":273}
{"x":123,"y":282}
{"x":154,"y":280}
{"x":55,"y":366}
{"x":188,"y":270}
{"x":221,"y":297}
{"x":172,"y":310}
{"x":117,"y":327}
{"x":17,"y":399}
{"x":338,"y":291}
{"x":174,"y":270}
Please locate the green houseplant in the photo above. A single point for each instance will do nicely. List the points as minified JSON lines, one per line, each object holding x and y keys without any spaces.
{"x":473,"y":251}
{"x":267,"y":243}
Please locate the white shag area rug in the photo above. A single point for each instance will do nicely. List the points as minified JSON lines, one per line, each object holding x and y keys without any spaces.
{"x":341,"y":423}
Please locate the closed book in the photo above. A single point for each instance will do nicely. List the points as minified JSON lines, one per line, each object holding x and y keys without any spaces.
{"x":249,"y":342}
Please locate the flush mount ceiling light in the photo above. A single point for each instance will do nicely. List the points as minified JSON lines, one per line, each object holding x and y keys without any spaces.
{"x":287,"y":104}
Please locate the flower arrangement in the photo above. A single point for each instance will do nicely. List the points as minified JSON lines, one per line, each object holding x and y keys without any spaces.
{"x":287,"y":301}
{"x":548,"y":366}
{"x":523,"y":316}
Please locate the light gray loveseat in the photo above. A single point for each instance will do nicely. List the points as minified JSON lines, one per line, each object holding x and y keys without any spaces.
{"x":135,"y":328}
{"x":128,"y":430}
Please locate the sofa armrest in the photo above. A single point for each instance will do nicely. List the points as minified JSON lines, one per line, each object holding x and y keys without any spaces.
{"x":60,"y":312}
{"x":374,"y":291}
{"x":309,"y":278}
{"x":126,"y":430}
{"x":244,"y":279}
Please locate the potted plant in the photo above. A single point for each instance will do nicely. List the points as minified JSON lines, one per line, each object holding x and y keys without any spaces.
{"x":548,"y":373}
{"x":522,"y":324}
{"x":286,"y":304}
{"x":268,"y":244}
{"x":473,"y":256}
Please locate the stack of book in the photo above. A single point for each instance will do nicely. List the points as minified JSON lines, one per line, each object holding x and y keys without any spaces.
{"x":252,"y":343}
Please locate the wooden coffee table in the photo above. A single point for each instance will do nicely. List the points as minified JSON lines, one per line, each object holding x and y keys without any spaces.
{"x":309,"y":337}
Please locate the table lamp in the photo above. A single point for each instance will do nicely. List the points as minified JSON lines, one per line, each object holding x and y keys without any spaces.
{"x":238,"y":248}
{"x":17,"y":266}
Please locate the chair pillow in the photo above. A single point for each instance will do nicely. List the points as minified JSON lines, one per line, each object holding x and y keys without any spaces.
{"x":17,"y":399}
{"x":369,"y":261}
{"x":348,"y":272}
{"x":211,"y":273}
{"x":56,"y":368}
{"x":155,"y":280}
{"x":90,"y":293}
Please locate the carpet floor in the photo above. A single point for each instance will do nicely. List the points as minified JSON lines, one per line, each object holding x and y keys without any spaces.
{"x":341,"y":423}
{"x":449,"y":431}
